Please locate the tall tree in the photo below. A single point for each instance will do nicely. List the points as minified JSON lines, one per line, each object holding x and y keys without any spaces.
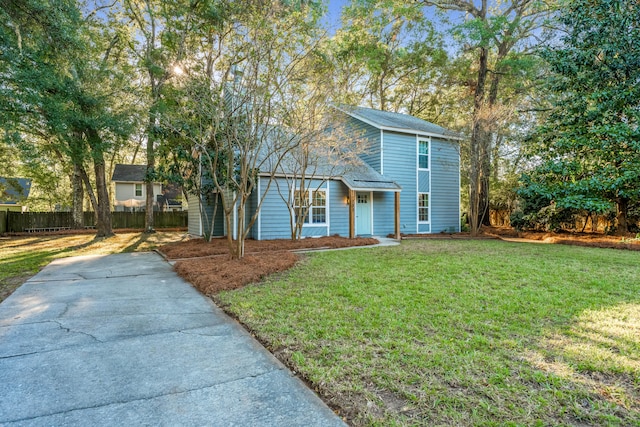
{"x":161,"y":32}
{"x":382,"y":50}
{"x":61,"y":84}
{"x":495,"y":32}
{"x":241,"y":96}
{"x":589,"y":147}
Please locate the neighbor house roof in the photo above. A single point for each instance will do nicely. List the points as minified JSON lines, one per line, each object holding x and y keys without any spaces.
{"x":129,"y":173}
{"x":14,"y":190}
{"x":398,"y":122}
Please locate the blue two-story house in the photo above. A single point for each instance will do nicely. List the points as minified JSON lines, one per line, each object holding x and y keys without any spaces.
{"x":406,"y":182}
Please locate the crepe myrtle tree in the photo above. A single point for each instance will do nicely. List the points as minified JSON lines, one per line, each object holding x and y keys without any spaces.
{"x":236,"y":99}
{"x":322,"y":149}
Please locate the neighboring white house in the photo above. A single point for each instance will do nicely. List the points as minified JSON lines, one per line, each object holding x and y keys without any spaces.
{"x":131,"y":191}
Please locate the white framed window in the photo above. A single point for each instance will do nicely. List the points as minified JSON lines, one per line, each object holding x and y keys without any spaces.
{"x":423,"y":154}
{"x":315,"y":202}
{"x":423,"y":207}
{"x":138,"y":190}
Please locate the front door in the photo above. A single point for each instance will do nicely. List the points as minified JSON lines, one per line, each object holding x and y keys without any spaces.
{"x":363,"y":214}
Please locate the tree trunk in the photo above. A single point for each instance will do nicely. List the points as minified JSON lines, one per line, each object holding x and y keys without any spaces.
{"x":103,"y":204}
{"x":476,"y":151}
{"x":148,"y":217}
{"x":240,"y":233}
{"x":622,"y":205}
{"x":78,"y":198}
{"x":103,"y":214}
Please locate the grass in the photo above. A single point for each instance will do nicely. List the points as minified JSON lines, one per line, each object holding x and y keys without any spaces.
{"x":22,"y":257}
{"x":459,"y":332}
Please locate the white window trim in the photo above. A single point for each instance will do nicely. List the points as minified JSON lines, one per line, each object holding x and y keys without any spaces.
{"x":428,"y":221}
{"x":428,"y":141}
{"x":381,"y":152}
{"x":310,"y":211}
{"x":135,"y":184}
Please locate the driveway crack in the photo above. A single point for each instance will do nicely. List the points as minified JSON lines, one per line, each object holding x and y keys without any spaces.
{"x":69,"y":330}
{"x":143,"y":399}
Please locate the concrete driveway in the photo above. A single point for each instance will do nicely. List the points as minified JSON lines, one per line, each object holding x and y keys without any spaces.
{"x":122,"y":340}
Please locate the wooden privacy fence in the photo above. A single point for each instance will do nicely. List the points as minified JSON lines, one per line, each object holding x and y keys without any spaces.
{"x":3,"y":222}
{"x":17,"y":222}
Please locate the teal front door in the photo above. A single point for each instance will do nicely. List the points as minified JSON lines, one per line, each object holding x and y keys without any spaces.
{"x":363,"y":214}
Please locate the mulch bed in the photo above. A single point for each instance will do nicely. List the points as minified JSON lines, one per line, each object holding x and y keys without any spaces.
{"x":593,"y":240}
{"x":208,"y":267}
{"x":213,"y":275}
{"x":196,"y":248}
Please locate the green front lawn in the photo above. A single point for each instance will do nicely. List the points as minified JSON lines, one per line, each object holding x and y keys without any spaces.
{"x":442,"y":332}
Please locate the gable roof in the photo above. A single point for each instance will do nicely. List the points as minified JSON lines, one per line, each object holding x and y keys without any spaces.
{"x":398,"y":122}
{"x":129,"y":173}
{"x":14,"y":190}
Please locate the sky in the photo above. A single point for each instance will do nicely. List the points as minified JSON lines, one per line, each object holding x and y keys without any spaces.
{"x":332,"y":18}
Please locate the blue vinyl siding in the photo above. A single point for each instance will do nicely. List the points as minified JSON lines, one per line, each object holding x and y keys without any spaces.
{"x":193,"y":222}
{"x":372,"y":153}
{"x":275,"y":217}
{"x":338,"y":209}
{"x":424,"y":228}
{"x":274,"y":221}
{"x":423,"y":181}
{"x":445,"y":186}
{"x":194,"y":216}
{"x":395,"y":155}
{"x":383,"y":213}
{"x":400,"y":164}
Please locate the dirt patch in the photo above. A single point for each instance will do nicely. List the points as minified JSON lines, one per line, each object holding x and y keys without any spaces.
{"x":10,"y":284}
{"x":208,"y":267}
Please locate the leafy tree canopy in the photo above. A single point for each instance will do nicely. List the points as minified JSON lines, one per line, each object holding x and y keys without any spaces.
{"x":588,"y":151}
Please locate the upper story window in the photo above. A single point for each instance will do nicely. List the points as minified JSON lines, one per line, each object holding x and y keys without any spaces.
{"x":423,"y":154}
{"x":138,"y":190}
{"x":315,"y":203}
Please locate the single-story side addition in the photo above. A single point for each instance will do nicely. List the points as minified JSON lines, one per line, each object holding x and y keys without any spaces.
{"x":407,"y":182}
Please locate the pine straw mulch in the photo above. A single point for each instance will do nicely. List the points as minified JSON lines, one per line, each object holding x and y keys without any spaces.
{"x":208,"y":267}
{"x":594,"y":239}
